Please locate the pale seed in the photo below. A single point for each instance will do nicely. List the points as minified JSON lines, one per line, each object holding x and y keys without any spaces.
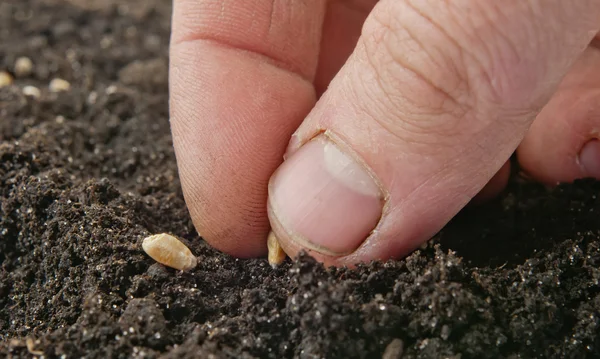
{"x":32,"y":91}
{"x":57,"y":85}
{"x":394,"y":350}
{"x":276,"y":253}
{"x":23,"y":66}
{"x":5,"y":79}
{"x":31,"y":347}
{"x":169,"y":251}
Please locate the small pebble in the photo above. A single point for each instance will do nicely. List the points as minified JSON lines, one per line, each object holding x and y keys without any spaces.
{"x":58,"y":85}
{"x":169,"y":251}
{"x":276,"y":253}
{"x":23,"y":66}
{"x":5,"y":79}
{"x":32,"y":91}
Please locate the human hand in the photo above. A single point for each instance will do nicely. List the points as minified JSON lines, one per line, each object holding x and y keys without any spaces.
{"x":392,"y":131}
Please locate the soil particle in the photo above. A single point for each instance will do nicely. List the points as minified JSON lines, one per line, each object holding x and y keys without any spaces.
{"x":88,"y":173}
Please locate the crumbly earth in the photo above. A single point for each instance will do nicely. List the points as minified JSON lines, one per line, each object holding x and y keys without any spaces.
{"x":86,"y":174}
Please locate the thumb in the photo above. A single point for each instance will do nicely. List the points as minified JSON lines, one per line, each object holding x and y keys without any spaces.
{"x":435,"y":98}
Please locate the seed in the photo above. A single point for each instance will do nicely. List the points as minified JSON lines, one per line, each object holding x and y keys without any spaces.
{"x":57,"y":85}
{"x":23,"y":66}
{"x":5,"y":79}
{"x":169,"y":251}
{"x":31,"y":347}
{"x":394,"y":349}
{"x":32,"y":91}
{"x":276,"y":253}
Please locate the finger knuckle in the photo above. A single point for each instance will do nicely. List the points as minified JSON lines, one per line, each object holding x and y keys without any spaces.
{"x":444,"y":73}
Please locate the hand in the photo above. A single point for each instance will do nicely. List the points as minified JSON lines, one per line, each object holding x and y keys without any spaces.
{"x":399,"y":113}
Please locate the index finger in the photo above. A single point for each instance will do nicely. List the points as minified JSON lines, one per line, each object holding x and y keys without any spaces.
{"x":240,"y":83}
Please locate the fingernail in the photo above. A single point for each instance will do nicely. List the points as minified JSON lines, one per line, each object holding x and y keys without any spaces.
{"x":589,"y":158}
{"x":324,"y":199}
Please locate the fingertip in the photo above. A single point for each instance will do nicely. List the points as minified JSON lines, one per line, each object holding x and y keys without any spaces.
{"x":561,"y":143}
{"x":495,"y":186}
{"x":230,"y":132}
{"x":589,"y":158}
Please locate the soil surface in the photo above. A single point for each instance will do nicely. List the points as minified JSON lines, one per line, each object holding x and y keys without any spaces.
{"x":87,"y":173}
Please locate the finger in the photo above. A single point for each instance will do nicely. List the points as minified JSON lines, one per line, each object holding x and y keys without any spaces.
{"x":494,"y":186}
{"x":241,"y":77}
{"x":434,"y":100}
{"x":341,"y":30}
{"x":563,"y":142}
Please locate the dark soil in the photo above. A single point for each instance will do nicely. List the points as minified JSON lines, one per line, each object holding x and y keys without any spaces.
{"x":86,"y":174}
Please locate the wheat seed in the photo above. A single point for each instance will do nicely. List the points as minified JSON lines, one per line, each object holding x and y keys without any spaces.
{"x":276,"y":253}
{"x":58,"y":85}
{"x":23,"y":66}
{"x":5,"y":79}
{"x":169,"y":251}
{"x":32,"y":91}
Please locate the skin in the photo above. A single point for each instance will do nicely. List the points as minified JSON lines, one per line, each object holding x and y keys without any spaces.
{"x":430,"y":98}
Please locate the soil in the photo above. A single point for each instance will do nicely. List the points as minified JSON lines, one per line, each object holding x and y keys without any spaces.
{"x":87,"y":173}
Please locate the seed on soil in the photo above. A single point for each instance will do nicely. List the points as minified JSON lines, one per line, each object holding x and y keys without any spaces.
{"x":394,"y":350}
{"x":57,"y":85}
{"x":276,"y":253}
{"x":23,"y":66}
{"x":31,"y":347}
{"x":32,"y":91}
{"x":169,"y":251}
{"x":5,"y":79}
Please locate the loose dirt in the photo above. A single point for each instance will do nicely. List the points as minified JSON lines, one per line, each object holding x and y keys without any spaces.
{"x":87,"y":173}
